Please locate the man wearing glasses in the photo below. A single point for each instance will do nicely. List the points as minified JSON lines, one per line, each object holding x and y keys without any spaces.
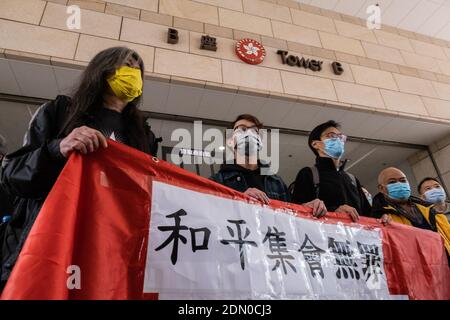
{"x":244,"y":174}
{"x":327,"y":179}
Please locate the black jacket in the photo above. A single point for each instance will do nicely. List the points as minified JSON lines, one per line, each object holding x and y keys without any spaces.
{"x":29,"y":173}
{"x":336,"y":188}
{"x":6,"y":202}
{"x":233,"y":176}
{"x":6,"y":209}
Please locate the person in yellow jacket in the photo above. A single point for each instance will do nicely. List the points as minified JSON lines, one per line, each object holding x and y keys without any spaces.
{"x":432,"y":191}
{"x":395,"y":203}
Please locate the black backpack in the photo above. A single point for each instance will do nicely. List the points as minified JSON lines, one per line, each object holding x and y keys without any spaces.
{"x":316,"y":182}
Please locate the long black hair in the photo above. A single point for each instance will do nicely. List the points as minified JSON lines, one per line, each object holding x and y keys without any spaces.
{"x":88,"y":95}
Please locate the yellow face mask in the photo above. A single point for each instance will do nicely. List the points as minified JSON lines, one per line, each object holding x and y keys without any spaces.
{"x":126,"y":83}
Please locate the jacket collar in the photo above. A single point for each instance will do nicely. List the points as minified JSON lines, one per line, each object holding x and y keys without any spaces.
{"x":230,"y":171}
{"x":327,"y":164}
{"x":380,"y":203}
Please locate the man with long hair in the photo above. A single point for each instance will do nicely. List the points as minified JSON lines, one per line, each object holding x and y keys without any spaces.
{"x":103,"y":105}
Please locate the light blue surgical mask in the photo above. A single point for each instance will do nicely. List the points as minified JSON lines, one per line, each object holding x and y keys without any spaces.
{"x":435,"y":195}
{"x":399,"y":190}
{"x":335,"y":147}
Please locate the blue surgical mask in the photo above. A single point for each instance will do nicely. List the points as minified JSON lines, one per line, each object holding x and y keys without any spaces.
{"x":399,"y":190}
{"x":435,"y":195}
{"x":335,"y":148}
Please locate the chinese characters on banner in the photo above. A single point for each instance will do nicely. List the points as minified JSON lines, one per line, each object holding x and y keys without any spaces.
{"x":205,"y":246}
{"x":153,"y":240}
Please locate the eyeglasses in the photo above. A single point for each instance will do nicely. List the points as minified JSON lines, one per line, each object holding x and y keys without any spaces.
{"x":334,"y":135}
{"x":243,"y":129}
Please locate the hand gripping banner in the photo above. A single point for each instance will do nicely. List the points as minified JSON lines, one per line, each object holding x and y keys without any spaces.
{"x":119,"y":224}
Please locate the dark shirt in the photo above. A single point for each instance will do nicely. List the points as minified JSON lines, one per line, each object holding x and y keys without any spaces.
{"x":240,"y":179}
{"x":111,"y":124}
{"x":336,"y":187}
{"x":417,"y":219}
{"x":254,"y":178}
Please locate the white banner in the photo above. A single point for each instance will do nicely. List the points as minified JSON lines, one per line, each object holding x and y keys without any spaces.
{"x":208,"y":247}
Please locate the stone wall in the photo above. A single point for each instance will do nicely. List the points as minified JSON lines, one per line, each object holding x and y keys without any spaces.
{"x":388,"y":71}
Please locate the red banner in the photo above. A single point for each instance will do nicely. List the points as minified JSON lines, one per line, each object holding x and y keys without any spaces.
{"x":97,"y":218}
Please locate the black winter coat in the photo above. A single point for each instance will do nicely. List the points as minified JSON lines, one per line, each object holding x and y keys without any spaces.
{"x":336,"y":188}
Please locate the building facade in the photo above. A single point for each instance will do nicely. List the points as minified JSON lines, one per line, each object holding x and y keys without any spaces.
{"x":393,"y":96}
